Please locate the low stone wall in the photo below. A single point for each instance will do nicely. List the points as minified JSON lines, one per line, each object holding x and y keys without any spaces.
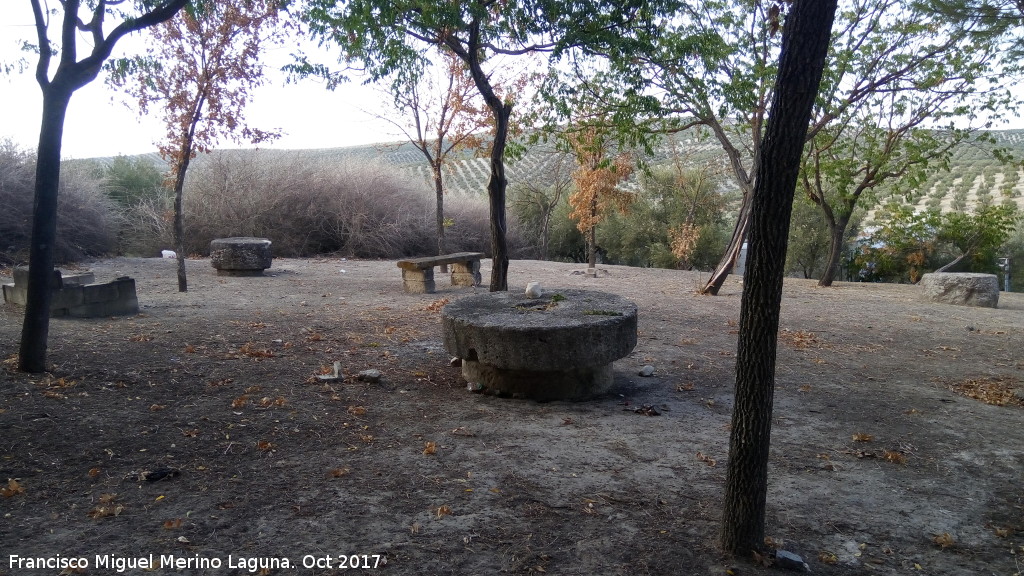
{"x":961,"y":288}
{"x":78,"y":295}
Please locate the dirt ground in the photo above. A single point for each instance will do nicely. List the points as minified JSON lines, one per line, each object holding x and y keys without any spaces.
{"x":881,"y":462}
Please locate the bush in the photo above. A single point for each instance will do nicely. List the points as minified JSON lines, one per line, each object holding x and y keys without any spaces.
{"x":86,"y":218}
{"x":305,"y":207}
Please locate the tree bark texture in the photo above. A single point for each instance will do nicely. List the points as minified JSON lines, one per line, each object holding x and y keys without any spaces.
{"x":36,"y":325}
{"x":805,"y":43}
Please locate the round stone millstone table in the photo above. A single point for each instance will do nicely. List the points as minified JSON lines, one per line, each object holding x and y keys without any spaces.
{"x":559,"y":346}
{"x":240,"y":256}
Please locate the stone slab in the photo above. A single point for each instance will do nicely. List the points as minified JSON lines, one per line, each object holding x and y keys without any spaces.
{"x":562,"y":329}
{"x":241,"y":256}
{"x":961,"y":288}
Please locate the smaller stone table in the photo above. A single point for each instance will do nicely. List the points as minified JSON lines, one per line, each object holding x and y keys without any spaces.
{"x":559,"y":346}
{"x":240,"y":256}
{"x":962,"y":288}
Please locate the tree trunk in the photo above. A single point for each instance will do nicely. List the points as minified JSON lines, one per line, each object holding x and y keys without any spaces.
{"x":439,"y":192}
{"x":725,"y":266}
{"x":804,"y":46}
{"x":36,"y":324}
{"x":592,"y":237}
{"x":496,"y":185}
{"x":496,"y":194}
{"x":837,"y":230}
{"x":179,"y":214}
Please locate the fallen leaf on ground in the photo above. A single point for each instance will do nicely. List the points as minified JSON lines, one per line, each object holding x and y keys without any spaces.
{"x":944,"y":540}
{"x":430,"y":448}
{"x":11,"y":489}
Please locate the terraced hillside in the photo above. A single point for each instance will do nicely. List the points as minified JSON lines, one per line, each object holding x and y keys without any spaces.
{"x":975,"y":176}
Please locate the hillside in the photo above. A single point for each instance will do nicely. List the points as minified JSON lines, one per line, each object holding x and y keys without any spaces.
{"x":975,"y":175}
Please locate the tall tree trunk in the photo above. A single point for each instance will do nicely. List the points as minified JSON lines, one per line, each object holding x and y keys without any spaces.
{"x":496,"y":195}
{"x":36,"y":324}
{"x":439,"y":192}
{"x":179,"y":213}
{"x":497,"y":183}
{"x":804,"y":47}
{"x":837,"y":231}
{"x":592,"y":237}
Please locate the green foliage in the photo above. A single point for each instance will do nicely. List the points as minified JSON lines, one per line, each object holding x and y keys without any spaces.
{"x":809,"y":240}
{"x":908,"y":244}
{"x":129,"y":180}
{"x":669,"y":198}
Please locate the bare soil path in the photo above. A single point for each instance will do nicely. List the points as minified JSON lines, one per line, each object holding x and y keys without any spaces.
{"x":880,"y":463}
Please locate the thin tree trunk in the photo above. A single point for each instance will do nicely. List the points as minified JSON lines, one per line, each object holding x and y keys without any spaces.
{"x":732,"y":253}
{"x":805,"y":42}
{"x":439,"y":191}
{"x":497,"y":183}
{"x":36,"y":324}
{"x":179,"y":214}
{"x":592,"y":237}
{"x":837,"y":242}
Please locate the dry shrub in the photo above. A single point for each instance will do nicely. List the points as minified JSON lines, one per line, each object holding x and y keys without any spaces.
{"x":308,"y":206}
{"x":86,"y":218}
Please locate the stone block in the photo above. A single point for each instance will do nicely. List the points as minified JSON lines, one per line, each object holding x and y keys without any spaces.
{"x":466,"y":273}
{"x":240,"y":256}
{"x":961,"y":288}
{"x":418,"y":281}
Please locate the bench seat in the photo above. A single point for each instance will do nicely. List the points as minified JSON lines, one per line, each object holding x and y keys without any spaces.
{"x":418,"y":273}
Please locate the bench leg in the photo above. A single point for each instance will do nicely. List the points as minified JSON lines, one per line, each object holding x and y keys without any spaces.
{"x":466,"y":273}
{"x":418,"y":281}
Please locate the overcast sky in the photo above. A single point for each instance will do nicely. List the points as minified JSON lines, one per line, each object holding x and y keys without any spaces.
{"x":99,"y":123}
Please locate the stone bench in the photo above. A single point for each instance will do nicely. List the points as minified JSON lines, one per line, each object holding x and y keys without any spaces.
{"x":558,"y":346}
{"x":78,"y":295}
{"x":418,"y":273}
{"x":240,"y":256}
{"x":963,"y":288}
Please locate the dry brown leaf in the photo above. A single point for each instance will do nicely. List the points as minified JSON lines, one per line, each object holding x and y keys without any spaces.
{"x":894,"y":456}
{"x":172,"y":524}
{"x":827,"y":558}
{"x":944,"y":540}
{"x":106,"y":510}
{"x":443,"y":511}
{"x":12,"y":488}
{"x":356,"y":410}
{"x":157,"y":407}
{"x":436,"y":305}
{"x":430,"y":448}
{"x":94,"y":472}
{"x":264,"y":446}
{"x":860,"y":437}
{"x":190,"y":433}
{"x":1002,"y":532}
{"x":339,"y":472}
{"x":706,"y":459}
{"x":190,"y":349}
{"x":997,"y":390}
{"x":240,"y":401}
{"x":251,"y":350}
